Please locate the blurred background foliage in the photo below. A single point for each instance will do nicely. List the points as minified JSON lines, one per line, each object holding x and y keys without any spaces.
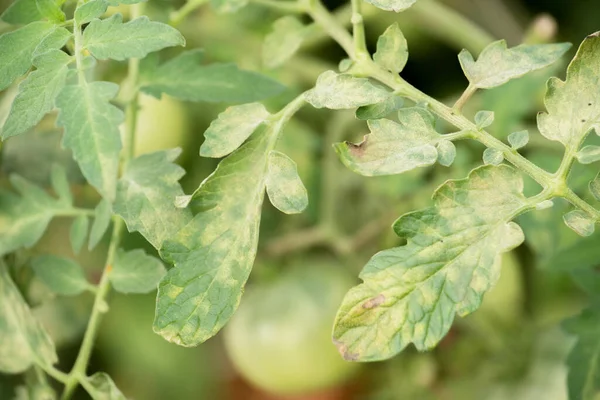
{"x":512,"y":347}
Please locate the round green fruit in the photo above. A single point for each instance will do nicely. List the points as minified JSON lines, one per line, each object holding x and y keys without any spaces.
{"x":280,"y":337}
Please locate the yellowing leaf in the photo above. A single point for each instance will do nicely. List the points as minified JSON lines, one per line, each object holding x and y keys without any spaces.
{"x":284,"y":187}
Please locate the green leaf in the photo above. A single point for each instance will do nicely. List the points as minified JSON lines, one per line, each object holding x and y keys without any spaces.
{"x":228,"y":6}
{"x":90,"y":10}
{"x":483,"y":119}
{"x":79,"y":232}
{"x":183,"y":77}
{"x":136,"y":272}
{"x":91,"y":126}
{"x":380,"y":110}
{"x":584,"y":360}
{"x":50,"y":10}
{"x":518,"y":139}
{"x":17,"y":48}
{"x":102,"y":215}
{"x":392,"y":50}
{"x":284,"y":187}
{"x":37,"y":93}
{"x":580,"y":222}
{"x":452,"y":257}
{"x":392,"y":5}
{"x":574,"y":105}
{"x":588,"y":154}
{"x":340,"y":91}
{"x":24,"y":340}
{"x":594,"y":187}
{"x":446,"y":152}
{"x":24,"y":219}
{"x":21,"y":12}
{"x":111,"y":38}
{"x":61,"y":275}
{"x":146,"y":197}
{"x":497,"y":64}
{"x":213,"y":254}
{"x":283,"y":41}
{"x":492,"y":156}
{"x":55,"y":40}
{"x":393,"y":148}
{"x":232,"y":128}
{"x":103,"y":388}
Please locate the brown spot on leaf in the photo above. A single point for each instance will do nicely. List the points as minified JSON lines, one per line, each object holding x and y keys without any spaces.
{"x":343,"y":349}
{"x":358,"y":149}
{"x":595,"y":34}
{"x":374,"y":302}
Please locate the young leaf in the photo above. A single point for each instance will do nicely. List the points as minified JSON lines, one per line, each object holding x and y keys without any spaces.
{"x":17,"y":48}
{"x":284,"y":187}
{"x":584,"y":359}
{"x":518,"y":139}
{"x":580,"y":222}
{"x":37,"y":93}
{"x":232,"y":128}
{"x":574,"y":105}
{"x":61,"y":275}
{"x":452,"y":257}
{"x":79,"y":232}
{"x":136,"y":272}
{"x":184,"y":78}
{"x":284,"y":40}
{"x":146,"y":197}
{"x":392,"y":50}
{"x":91,"y":126}
{"x":102,"y":215}
{"x":492,"y":156}
{"x":588,"y":154}
{"x":21,"y":12}
{"x":111,"y":38}
{"x":90,"y":10}
{"x":340,"y":91}
{"x":50,"y":10}
{"x":392,"y":5}
{"x":213,"y":254}
{"x":393,"y":148}
{"x":446,"y":152}
{"x":24,"y":340}
{"x":483,"y":119}
{"x":497,"y":64}
{"x":24,"y":219}
{"x":380,"y":110}
{"x":101,"y":387}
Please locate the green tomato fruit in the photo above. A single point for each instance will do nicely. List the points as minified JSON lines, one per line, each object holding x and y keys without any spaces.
{"x":162,"y":124}
{"x":280,"y":337}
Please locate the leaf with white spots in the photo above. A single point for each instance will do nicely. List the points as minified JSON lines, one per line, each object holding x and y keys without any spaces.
{"x":518,"y":139}
{"x":283,"y":41}
{"x":484,"y":118}
{"x":392,"y":50}
{"x":492,"y":156}
{"x":284,"y":187}
{"x":100,"y":386}
{"x":580,"y":222}
{"x":588,"y":154}
{"x":380,"y":110}
{"x":411,"y":293}
{"x":392,"y":5}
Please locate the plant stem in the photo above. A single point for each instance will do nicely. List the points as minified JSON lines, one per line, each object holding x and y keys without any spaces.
{"x":358,"y":30}
{"x":178,"y":16}
{"x":330,"y":25}
{"x":469,"y":91}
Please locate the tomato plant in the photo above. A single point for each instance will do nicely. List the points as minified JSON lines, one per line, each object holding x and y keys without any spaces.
{"x":100,"y":96}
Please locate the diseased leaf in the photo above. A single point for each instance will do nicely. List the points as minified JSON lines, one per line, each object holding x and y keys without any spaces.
{"x":340,"y":91}
{"x":61,"y":275}
{"x":392,"y":5}
{"x":452,"y":257}
{"x":584,"y":360}
{"x":90,"y":10}
{"x":136,"y":272}
{"x":91,"y":126}
{"x":111,"y":38}
{"x":594,"y":187}
{"x":232,"y":128}
{"x":50,"y":10}
{"x":574,"y":105}
{"x":393,"y":148}
{"x":24,"y":340}
{"x":37,"y":93}
{"x":588,"y":154}
{"x":103,"y":387}
{"x":498,"y":64}
{"x":580,"y":222}
{"x":21,"y":12}
{"x":392,"y":50}
{"x":284,"y":187}
{"x":214,"y":253}
{"x":446,"y":152}
{"x":283,"y":41}
{"x":185,"y":78}
{"x":102,"y":215}
{"x":492,"y":156}
{"x":79,"y":232}
{"x":380,"y":110}
{"x":146,"y":196}
{"x":518,"y":139}
{"x":20,"y":44}
{"x":483,"y":119}
{"x":24,"y":219}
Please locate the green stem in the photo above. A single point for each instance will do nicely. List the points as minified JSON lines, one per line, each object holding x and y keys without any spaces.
{"x":358,"y":30}
{"x":79,"y":53}
{"x":178,"y":16}
{"x":469,"y":91}
{"x":331,"y":26}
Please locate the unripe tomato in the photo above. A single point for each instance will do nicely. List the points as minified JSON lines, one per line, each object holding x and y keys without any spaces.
{"x":162,"y":124}
{"x":280,"y":337}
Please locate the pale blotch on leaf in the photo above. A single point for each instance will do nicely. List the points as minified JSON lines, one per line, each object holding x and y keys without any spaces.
{"x":483,"y":119}
{"x":518,"y":139}
{"x":492,"y":156}
{"x":392,"y":50}
{"x":284,"y":187}
{"x":589,"y":154}
{"x":580,"y":222}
